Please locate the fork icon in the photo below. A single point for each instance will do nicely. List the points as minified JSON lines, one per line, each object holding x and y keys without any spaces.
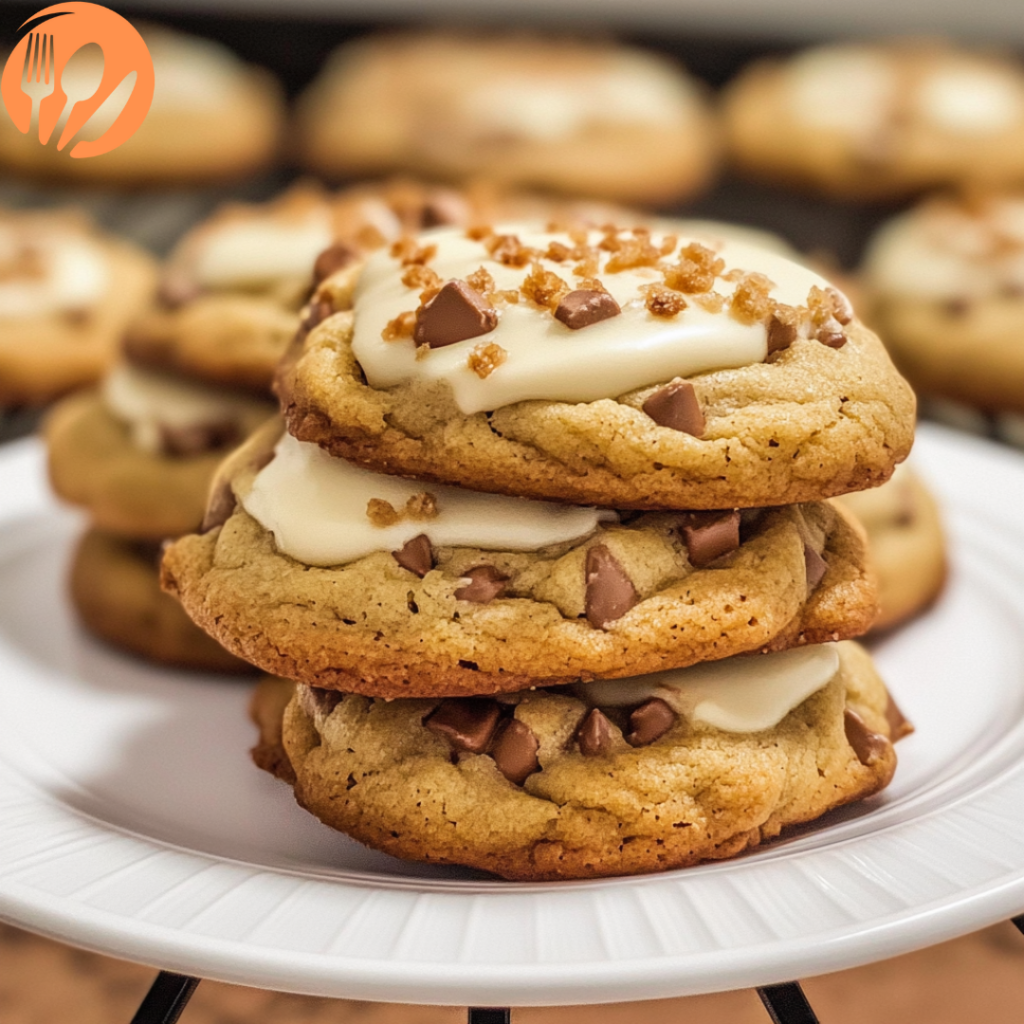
{"x":37,"y":77}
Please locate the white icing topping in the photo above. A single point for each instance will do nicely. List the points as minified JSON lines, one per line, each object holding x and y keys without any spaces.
{"x":842,"y":88}
{"x":741,"y":694}
{"x":259,"y":250}
{"x":974,"y":101}
{"x":547,"y":360}
{"x":316,"y":508}
{"x":147,"y":402}
{"x":942,"y":251}
{"x":51,"y":269}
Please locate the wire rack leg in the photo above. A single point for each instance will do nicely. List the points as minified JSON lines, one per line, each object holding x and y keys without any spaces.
{"x":787,"y":1004}
{"x":489,"y":1015}
{"x":166,"y":998}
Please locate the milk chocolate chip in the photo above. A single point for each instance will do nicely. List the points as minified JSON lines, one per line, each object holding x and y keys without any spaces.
{"x":331,"y":260}
{"x":515,"y":751}
{"x":415,"y":555}
{"x":595,"y":734}
{"x":467,"y":723}
{"x":675,"y":406}
{"x":609,"y":591}
{"x":584,"y":307}
{"x":485,"y":584}
{"x":220,"y":507}
{"x":650,"y":722}
{"x":709,"y":535}
{"x":455,"y":313}
{"x":867,"y":745}
{"x":898,"y":725}
{"x":177,"y":288}
{"x":197,"y":438}
{"x":815,"y":567}
{"x":314,"y":313}
{"x":780,"y":335}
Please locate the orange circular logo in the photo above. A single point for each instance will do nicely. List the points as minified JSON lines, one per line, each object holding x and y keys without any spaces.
{"x":31,"y":82}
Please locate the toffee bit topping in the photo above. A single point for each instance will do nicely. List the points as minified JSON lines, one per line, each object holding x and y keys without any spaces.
{"x":403,"y":326}
{"x":331,"y":260}
{"x":382,"y":513}
{"x":418,"y":276}
{"x":485,"y":358}
{"x":586,"y":306}
{"x":609,"y":591}
{"x":455,"y":313}
{"x":696,"y":270}
{"x":544,"y":287}
{"x":815,"y":566}
{"x":481,"y":281}
{"x":507,"y":249}
{"x":712,"y":302}
{"x":826,"y":306}
{"x":898,"y":724}
{"x":485,"y":584}
{"x":369,"y":237}
{"x":750,"y":303}
{"x":409,"y":252}
{"x":869,"y":746}
{"x":661,"y":301}
{"x":595,"y":734}
{"x":479,"y":232}
{"x":709,"y":535}
{"x":515,"y":751}
{"x":633,"y":252}
{"x":467,"y":723}
{"x":587,"y":267}
{"x":416,"y":556}
{"x":420,"y":507}
{"x":675,"y":406}
{"x":649,"y":722}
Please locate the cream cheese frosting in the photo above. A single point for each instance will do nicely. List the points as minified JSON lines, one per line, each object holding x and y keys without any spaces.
{"x":546,"y":359}
{"x":150,"y":402}
{"x":741,"y":694}
{"x":317,"y":508}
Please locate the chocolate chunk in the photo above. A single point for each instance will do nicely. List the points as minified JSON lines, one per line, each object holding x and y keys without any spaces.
{"x":584,"y":307}
{"x":650,"y":722}
{"x":444,"y":207}
{"x":831,"y":337}
{"x":867,"y":745}
{"x":595,"y":734}
{"x":333,"y":259}
{"x":515,"y":751}
{"x":957,"y":307}
{"x":415,"y":555}
{"x":455,"y":313}
{"x":609,"y":591}
{"x":177,"y":288}
{"x":485,"y":584}
{"x":315,"y":700}
{"x":313,"y":314}
{"x":675,"y":406}
{"x":898,"y":725}
{"x":709,"y":535}
{"x":197,"y":438}
{"x":780,"y":335}
{"x":220,"y":507}
{"x":467,"y":723}
{"x":841,"y":308}
{"x":815,"y":566}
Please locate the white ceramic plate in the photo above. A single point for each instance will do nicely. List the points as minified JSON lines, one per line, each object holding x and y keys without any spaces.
{"x":132,"y":822}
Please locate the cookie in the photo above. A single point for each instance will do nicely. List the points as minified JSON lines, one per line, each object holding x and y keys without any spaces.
{"x":139,"y":455}
{"x":595,"y":779}
{"x":609,"y":367}
{"x":315,"y":569}
{"x":946,"y":290}
{"x":115,"y":590}
{"x":213,"y":118}
{"x":872,"y":121}
{"x":581,"y":118}
{"x":66,"y":293}
{"x":906,"y":543}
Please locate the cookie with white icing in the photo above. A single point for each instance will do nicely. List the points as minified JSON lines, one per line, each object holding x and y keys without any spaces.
{"x":879,"y":120}
{"x":213,"y":118}
{"x":115,"y":590}
{"x":945,"y":284}
{"x":580,"y":118}
{"x":66,"y":293}
{"x":592,"y":780}
{"x":906,"y":543}
{"x":139,"y":454}
{"x":315,"y":569}
{"x":613,"y":367}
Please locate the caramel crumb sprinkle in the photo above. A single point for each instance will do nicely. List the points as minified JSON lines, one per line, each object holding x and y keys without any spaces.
{"x":663,"y":302}
{"x":507,"y":249}
{"x":588,"y":266}
{"x":712,"y":302}
{"x":409,"y":252}
{"x":543,"y":287}
{"x":418,"y":276}
{"x":400,"y":328}
{"x":485,"y":358}
{"x":421,"y":506}
{"x":382,"y":513}
{"x":750,"y":302}
{"x":633,"y":252}
{"x":481,"y":281}
{"x":695,"y":271}
{"x":478,"y":232}
{"x":369,"y":237}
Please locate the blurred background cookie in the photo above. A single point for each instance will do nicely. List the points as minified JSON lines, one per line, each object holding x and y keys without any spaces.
{"x":879,"y":120}
{"x":66,"y":293}
{"x":213,"y":118}
{"x":597,"y":119}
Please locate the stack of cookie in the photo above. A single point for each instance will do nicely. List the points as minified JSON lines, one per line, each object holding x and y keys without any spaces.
{"x":543,"y":541}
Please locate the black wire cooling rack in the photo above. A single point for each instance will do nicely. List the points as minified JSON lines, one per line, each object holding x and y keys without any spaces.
{"x":170,"y":993}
